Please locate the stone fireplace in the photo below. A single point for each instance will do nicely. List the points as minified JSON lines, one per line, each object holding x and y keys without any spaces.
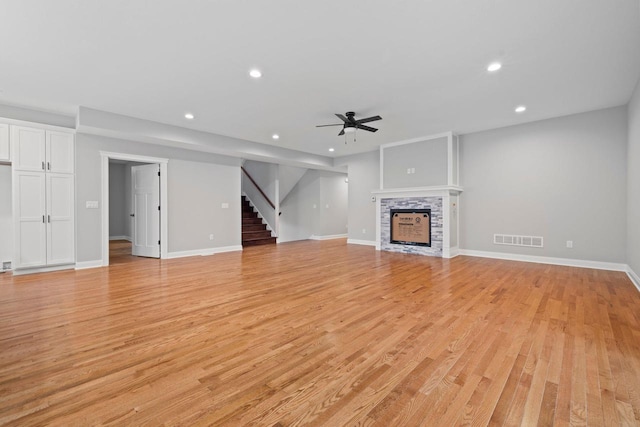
{"x":420,"y":175}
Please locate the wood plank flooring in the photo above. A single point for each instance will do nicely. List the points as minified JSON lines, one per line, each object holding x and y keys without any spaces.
{"x":319,"y":333}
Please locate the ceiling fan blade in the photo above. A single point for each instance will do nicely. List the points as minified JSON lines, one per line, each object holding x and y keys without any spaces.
{"x":337,"y":124}
{"x":369,"y":119}
{"x":370,"y":129}
{"x":341,"y":132}
{"x":343,"y":118}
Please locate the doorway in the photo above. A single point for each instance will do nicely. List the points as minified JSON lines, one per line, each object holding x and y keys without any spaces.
{"x":144,"y":207}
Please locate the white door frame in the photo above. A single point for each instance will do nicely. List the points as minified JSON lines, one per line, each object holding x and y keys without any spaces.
{"x":164,"y":222}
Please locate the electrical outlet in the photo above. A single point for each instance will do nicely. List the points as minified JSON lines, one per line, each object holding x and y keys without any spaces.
{"x":225,"y":206}
{"x":570,"y":244}
{"x":210,"y":236}
{"x":364,"y":231}
{"x":408,"y":171}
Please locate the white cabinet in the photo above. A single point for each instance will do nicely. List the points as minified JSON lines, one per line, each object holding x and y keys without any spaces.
{"x":43,"y":197}
{"x":43,"y":219}
{"x":42,"y":150}
{"x":5,"y":154}
{"x":29,"y":215}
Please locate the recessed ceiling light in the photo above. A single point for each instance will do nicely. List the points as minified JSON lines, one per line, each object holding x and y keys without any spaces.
{"x":275,"y":136}
{"x":521,"y":109}
{"x":494,"y":66}
{"x":189,"y":116}
{"x":255,"y":73}
{"x":332,"y":149}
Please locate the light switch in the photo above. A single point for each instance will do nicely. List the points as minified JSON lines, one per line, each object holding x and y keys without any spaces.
{"x":225,"y":206}
{"x":92,"y":204}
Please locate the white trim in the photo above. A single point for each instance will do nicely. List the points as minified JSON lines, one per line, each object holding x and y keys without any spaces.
{"x":635,"y":279}
{"x":164,"y":221}
{"x":413,"y":190}
{"x":88,"y":264}
{"x":39,"y":125}
{"x":204,"y":252}
{"x":120,"y":238}
{"x":454,"y":252}
{"x":327,"y":237}
{"x":598,"y":265}
{"x":42,"y":269}
{"x":361,"y":242}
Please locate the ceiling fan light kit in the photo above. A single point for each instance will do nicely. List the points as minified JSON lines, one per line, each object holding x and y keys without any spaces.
{"x":350,"y":124}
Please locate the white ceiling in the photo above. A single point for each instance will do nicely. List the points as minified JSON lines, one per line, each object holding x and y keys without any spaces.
{"x":420,"y":64}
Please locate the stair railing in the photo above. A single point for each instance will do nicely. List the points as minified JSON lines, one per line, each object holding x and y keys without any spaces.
{"x":259,"y":189}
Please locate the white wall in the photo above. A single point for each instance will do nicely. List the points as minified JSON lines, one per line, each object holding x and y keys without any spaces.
{"x":118,"y":210}
{"x":6,"y":215}
{"x":633,"y":183}
{"x":364,"y":176}
{"x":305,"y":212}
{"x":563,"y":179}
{"x":181,"y":176}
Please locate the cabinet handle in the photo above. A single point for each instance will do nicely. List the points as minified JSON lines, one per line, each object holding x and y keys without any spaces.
{"x":49,"y":218}
{"x":42,"y":165}
{"x":43,"y":219}
{"x":48,"y":165}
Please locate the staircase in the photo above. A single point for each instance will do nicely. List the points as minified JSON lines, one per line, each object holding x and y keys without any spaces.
{"x":254,"y":232}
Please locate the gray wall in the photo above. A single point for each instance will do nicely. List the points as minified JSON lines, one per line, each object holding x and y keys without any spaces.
{"x":118,"y":206}
{"x":334,"y":200}
{"x":6,"y":215}
{"x":196,"y":194}
{"x":226,"y":231}
{"x":364,"y":176}
{"x":427,"y":158}
{"x":633,"y":183}
{"x":563,"y":179}
{"x":316,"y":206}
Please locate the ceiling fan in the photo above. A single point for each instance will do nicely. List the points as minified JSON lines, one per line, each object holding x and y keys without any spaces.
{"x":351,"y":124}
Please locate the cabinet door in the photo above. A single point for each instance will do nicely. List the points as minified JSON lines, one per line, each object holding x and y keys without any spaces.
{"x":4,"y":143}
{"x":28,"y":148}
{"x":60,"y":152}
{"x":60,"y":214}
{"x":29,"y":213}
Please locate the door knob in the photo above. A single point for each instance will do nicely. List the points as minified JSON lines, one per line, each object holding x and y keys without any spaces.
{"x":132,"y":214}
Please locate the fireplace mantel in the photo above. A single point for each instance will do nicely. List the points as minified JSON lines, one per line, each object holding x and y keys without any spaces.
{"x":418,"y":191}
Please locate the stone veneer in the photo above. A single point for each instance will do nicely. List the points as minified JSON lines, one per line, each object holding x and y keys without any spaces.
{"x":433,"y":203}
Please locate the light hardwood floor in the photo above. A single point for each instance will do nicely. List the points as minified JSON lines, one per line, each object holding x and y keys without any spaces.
{"x":319,"y":333}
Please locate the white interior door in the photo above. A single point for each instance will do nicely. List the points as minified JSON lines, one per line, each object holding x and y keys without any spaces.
{"x":146,"y":210}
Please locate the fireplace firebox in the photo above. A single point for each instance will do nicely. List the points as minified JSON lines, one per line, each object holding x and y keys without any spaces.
{"x":411,"y":227}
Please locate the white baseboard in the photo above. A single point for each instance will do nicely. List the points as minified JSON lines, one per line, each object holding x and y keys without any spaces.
{"x":451,"y":252}
{"x":598,"y":265}
{"x":204,"y":252}
{"x":635,"y":279}
{"x":88,"y":264}
{"x":20,"y":272}
{"x":329,"y":237}
{"x":127,"y":238}
{"x":361,"y":242}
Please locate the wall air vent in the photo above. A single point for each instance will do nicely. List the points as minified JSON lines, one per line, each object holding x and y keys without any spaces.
{"x":513,"y":240}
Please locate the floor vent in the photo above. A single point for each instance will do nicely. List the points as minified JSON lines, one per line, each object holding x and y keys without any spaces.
{"x":512,"y":240}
